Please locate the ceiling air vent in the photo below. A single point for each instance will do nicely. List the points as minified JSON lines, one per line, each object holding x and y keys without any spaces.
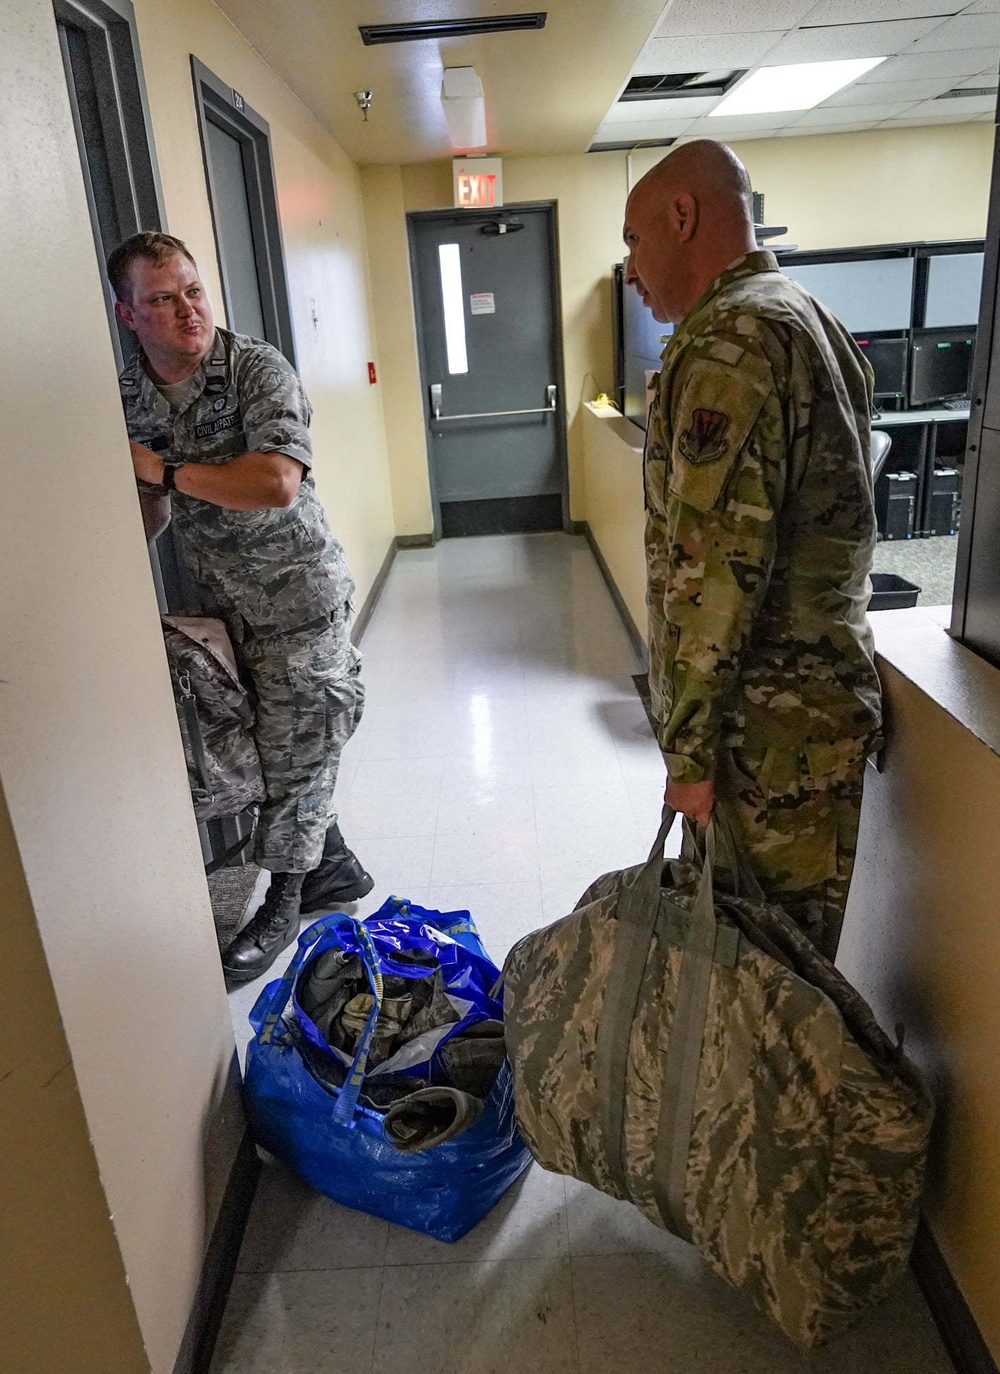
{"x":678,"y":85}
{"x":450,"y":28}
{"x":631,"y":145}
{"x":963,"y":92}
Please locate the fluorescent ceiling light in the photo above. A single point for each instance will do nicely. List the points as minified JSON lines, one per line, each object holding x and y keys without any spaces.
{"x":797,"y":87}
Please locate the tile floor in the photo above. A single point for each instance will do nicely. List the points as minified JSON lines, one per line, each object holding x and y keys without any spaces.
{"x":504,"y":761}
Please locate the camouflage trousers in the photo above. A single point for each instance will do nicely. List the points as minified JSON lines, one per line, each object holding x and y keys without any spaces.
{"x":796,"y":829}
{"x":309,"y":699}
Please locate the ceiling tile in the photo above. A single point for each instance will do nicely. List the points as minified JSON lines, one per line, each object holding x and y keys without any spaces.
{"x":849,"y":40}
{"x":706,"y":53}
{"x":924,"y":65}
{"x":638,"y":133}
{"x":863,"y":11}
{"x":803,"y":131}
{"x":686,"y":17}
{"x":961,"y":108}
{"x":980,"y":31}
{"x":912,"y":121}
{"x":879,"y":92}
{"x":642,"y":111}
{"x":873,"y":114}
{"x":987,"y":78}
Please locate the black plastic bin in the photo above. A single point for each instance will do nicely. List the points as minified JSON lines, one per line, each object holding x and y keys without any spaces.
{"x":890,"y":592}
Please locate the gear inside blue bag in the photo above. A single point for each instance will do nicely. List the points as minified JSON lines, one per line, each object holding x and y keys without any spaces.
{"x":378,"y":1071}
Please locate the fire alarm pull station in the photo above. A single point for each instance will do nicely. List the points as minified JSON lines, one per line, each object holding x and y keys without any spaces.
{"x":371,"y":374}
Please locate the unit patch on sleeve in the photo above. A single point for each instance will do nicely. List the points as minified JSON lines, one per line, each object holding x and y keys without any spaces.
{"x":704,"y":440}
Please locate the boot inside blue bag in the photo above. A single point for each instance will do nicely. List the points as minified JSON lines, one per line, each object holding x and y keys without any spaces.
{"x":378,"y":1072}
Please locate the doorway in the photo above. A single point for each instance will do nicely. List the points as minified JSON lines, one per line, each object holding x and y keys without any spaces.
{"x":486,"y":290}
{"x":236,"y":143}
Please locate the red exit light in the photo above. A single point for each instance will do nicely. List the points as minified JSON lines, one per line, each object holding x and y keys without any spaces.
{"x":475,"y":188}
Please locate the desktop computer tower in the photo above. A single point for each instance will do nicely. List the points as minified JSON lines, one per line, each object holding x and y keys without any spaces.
{"x":896,"y":504}
{"x":944,"y":501}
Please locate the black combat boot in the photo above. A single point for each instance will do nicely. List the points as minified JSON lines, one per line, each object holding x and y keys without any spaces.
{"x":274,"y":927}
{"x":339,"y":878}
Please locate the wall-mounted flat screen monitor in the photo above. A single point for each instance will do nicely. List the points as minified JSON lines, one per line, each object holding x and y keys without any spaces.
{"x":643,"y":340}
{"x":940,"y":367}
{"x":868,"y":295}
{"x":954,"y":281}
{"x":888,"y":360}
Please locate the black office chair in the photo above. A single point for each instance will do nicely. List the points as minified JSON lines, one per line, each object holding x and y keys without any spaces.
{"x":881,"y":444}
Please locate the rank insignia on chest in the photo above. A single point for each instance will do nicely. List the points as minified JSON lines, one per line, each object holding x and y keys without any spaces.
{"x":705,"y":437}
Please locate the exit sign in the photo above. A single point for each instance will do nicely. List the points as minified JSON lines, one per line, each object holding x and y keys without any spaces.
{"x":478,"y":181}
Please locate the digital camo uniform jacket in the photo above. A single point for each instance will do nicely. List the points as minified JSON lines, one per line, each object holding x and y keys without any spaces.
{"x":277,"y":575}
{"x":759,"y":537}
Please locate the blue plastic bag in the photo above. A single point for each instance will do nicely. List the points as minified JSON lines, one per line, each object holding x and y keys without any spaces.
{"x":335,"y":1142}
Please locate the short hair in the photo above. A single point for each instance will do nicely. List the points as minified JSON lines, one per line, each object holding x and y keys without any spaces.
{"x":153,"y":246}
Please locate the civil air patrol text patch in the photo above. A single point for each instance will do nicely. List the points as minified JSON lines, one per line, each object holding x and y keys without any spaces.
{"x":210,"y":427}
{"x":704,"y":440}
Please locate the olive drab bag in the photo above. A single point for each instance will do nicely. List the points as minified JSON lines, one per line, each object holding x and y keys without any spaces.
{"x":216,"y":717}
{"x":694,"y":1054}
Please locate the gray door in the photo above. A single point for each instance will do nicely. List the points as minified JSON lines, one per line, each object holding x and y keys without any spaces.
{"x":486,"y":293}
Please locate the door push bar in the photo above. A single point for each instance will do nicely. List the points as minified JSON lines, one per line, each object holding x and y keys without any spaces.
{"x":550,"y":409}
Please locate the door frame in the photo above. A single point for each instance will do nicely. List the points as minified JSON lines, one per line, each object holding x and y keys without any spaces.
{"x":550,"y":208}
{"x":223,"y":106}
{"x":113,"y":46}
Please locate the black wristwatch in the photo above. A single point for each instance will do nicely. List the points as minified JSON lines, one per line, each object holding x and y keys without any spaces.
{"x":169,"y":482}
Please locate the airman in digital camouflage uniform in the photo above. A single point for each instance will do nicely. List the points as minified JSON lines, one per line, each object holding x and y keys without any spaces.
{"x":219,"y":427}
{"x":759,"y":538}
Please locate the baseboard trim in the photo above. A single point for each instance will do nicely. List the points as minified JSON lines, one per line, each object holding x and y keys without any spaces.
{"x":631,"y":628}
{"x":415,"y":541}
{"x":961,"y":1336}
{"x":371,"y":600}
{"x":202,"y":1332}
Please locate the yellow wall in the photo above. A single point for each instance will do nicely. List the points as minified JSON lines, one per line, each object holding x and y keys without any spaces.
{"x":90,"y":757}
{"x":319,"y":200}
{"x":921,"y":936}
{"x":612,"y":462}
{"x":832,"y":190}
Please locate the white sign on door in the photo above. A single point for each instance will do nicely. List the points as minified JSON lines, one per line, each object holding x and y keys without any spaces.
{"x":482,"y":303}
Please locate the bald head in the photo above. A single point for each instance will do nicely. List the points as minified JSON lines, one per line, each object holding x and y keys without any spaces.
{"x":709,"y":171}
{"x":685,"y":222}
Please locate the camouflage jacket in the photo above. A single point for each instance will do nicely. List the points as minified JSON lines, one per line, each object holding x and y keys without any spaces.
{"x":760,"y":528}
{"x":279,"y":568}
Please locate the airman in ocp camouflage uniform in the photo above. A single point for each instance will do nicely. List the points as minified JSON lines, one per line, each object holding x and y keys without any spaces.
{"x":759,"y":538}
{"x":255,"y":537}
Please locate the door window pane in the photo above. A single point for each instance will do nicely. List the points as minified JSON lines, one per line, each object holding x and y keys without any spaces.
{"x":454,"y":307}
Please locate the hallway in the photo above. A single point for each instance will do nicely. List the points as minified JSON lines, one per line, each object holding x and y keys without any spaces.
{"x":504,"y":761}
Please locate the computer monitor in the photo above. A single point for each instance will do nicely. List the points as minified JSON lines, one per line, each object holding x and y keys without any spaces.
{"x":642,"y":341}
{"x":954,"y":281}
{"x":940,"y":367}
{"x":868,"y":295}
{"x":888,"y":360}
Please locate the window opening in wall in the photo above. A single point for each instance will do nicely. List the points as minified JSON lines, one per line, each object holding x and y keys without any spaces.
{"x":453,"y":299}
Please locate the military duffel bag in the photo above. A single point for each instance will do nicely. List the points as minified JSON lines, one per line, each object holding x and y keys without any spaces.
{"x":694,"y":1054}
{"x":215,"y":715}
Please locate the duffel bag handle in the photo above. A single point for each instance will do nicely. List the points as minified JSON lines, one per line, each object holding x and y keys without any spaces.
{"x":637,"y":911}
